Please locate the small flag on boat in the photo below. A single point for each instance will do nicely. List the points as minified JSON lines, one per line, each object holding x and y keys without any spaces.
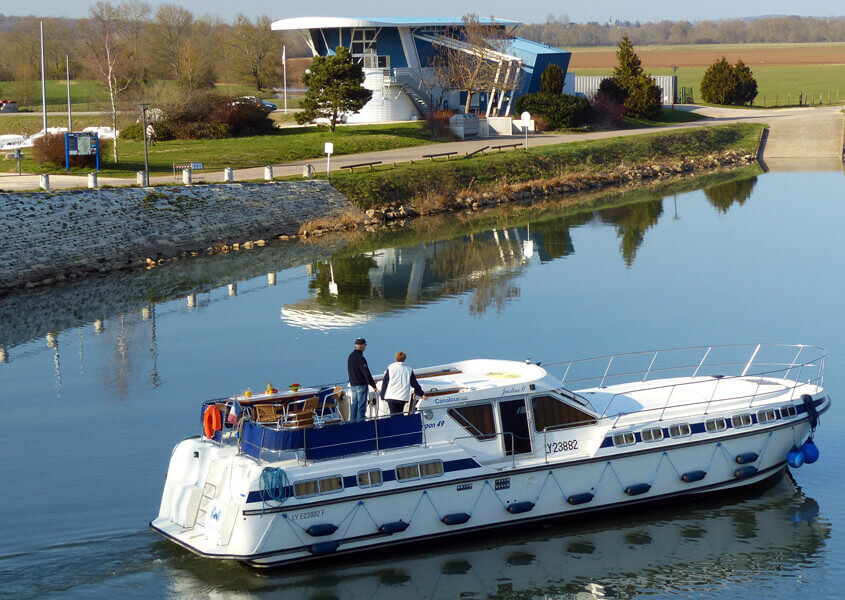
{"x":235,"y":411}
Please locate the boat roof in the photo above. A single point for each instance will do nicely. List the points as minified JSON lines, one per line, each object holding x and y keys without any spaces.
{"x":298,"y":23}
{"x":490,"y":378}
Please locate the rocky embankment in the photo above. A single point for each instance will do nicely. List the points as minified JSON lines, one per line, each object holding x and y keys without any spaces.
{"x":50,"y":237}
{"x":567,"y":186}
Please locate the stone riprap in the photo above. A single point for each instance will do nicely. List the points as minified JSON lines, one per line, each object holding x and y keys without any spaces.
{"x":52,"y":236}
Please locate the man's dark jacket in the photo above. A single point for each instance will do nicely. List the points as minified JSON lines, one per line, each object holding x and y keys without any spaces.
{"x":359,"y":371}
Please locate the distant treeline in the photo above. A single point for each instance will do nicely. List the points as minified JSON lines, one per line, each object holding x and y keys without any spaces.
{"x":560,"y":32}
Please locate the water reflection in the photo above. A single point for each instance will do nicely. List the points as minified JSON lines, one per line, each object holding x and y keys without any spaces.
{"x":705,"y":548}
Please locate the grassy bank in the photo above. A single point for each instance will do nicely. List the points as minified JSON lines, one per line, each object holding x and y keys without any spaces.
{"x":288,"y":144}
{"x":420,"y":181}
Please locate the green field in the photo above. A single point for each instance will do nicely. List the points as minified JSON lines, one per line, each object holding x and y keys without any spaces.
{"x":776,"y":85}
{"x":88,"y":96}
{"x":295,"y":143}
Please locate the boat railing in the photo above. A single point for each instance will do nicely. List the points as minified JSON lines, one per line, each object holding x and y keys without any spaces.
{"x":787,"y":362}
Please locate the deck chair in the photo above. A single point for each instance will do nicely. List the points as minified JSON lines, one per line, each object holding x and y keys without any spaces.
{"x":327,"y":406}
{"x":265,"y":413}
{"x":300,"y":413}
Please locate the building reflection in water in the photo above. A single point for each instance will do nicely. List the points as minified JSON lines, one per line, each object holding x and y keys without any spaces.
{"x":683,"y":550}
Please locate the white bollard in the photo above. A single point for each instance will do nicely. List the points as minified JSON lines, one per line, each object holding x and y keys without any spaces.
{"x":4,"y":356}
{"x":145,"y":313}
{"x":98,"y":326}
{"x":141,"y":179}
{"x":308,"y":171}
{"x":271,"y":279}
{"x":44,"y":182}
{"x":268,"y":173}
{"x":192,"y":300}
{"x":233,"y":289}
{"x":186,"y":176}
{"x":52,"y":339}
{"x":228,"y":175}
{"x":92,"y":181}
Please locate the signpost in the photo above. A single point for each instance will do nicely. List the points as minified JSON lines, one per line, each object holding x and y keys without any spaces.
{"x":525,"y":117}
{"x":143,"y":106}
{"x":82,"y":144}
{"x":329,"y":148}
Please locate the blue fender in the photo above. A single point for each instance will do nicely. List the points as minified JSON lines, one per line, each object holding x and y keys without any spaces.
{"x":795,"y":458}
{"x":810,"y":451}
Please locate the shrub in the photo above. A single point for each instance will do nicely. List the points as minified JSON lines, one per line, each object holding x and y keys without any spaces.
{"x":438,"y":123}
{"x":242,"y":118}
{"x":611,"y":89}
{"x":643,"y":100}
{"x":726,"y":84}
{"x":50,"y":150}
{"x":561,"y":111}
{"x":606,"y":113}
{"x":135,"y":131}
{"x":202,"y":131}
{"x":551,"y":81}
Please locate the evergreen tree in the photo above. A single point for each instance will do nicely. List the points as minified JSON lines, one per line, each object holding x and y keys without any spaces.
{"x":335,"y":86}
{"x":642,"y":95}
{"x":551,"y":81}
{"x":720,"y":83}
{"x":747,"y":85}
{"x":630,"y":67}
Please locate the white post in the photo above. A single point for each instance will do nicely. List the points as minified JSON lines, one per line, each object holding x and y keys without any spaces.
{"x":92,"y":181}
{"x":4,"y":356}
{"x":268,"y":173}
{"x":43,"y":83}
{"x":233,"y":289}
{"x":69,"y":111}
{"x":192,"y":300}
{"x":328,"y":148}
{"x":271,"y":279}
{"x":44,"y":181}
{"x":141,"y":179}
{"x":186,"y":176}
{"x":228,"y":175}
{"x":285,"y":75}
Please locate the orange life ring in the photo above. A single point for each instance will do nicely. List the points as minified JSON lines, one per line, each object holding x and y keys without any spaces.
{"x":212,"y":422}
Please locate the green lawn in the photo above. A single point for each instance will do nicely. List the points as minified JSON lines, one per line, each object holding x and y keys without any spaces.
{"x":403,"y":182}
{"x":296,"y":143}
{"x":776,"y":85}
{"x":668,"y":116}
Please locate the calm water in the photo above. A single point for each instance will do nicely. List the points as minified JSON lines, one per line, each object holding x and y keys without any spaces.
{"x":101,"y":379}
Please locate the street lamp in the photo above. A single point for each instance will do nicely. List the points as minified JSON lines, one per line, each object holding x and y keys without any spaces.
{"x":143,"y":106}
{"x":674,"y":84}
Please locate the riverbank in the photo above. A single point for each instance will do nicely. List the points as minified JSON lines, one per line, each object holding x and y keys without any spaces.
{"x":115,"y":229}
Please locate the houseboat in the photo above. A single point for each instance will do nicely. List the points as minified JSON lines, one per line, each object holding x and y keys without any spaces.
{"x":281,"y":477}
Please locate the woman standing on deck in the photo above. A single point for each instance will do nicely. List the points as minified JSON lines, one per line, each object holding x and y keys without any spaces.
{"x":396,"y":386}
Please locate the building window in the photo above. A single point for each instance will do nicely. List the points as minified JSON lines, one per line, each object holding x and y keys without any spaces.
{"x":371,"y":478}
{"x":623,"y":439}
{"x":740,"y":421}
{"x":766,"y":415}
{"x":652,"y":435}
{"x":476,"y":419}
{"x":714,"y":425}
{"x":788,"y":411}
{"x":363,"y":42}
{"x":551,"y":413}
{"x":680,"y":430}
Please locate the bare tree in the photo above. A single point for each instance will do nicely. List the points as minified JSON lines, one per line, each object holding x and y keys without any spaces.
{"x":108,"y":39}
{"x":254,"y":50}
{"x":172,"y":28}
{"x":471,"y":58}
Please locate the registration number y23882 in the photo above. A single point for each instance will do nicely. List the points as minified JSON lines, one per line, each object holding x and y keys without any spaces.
{"x":564,"y":446}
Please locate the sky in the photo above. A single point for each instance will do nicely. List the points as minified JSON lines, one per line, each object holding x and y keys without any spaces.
{"x":624,"y":10}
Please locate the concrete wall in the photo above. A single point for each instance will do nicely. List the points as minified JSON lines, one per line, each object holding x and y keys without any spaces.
{"x":74,"y":232}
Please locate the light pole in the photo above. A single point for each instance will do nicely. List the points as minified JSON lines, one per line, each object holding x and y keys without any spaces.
{"x":674,"y":84}
{"x":143,"y":106}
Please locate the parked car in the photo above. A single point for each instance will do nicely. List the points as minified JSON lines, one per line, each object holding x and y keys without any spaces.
{"x":268,"y":106}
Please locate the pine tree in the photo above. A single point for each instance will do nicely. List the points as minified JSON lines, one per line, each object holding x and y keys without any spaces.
{"x":335,"y":86}
{"x":630,"y":68}
{"x":747,"y":85}
{"x":551,"y":81}
{"x":642,"y":95}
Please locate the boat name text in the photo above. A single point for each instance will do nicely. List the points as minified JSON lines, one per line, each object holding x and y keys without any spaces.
{"x":513,"y":390}
{"x":564,"y":446}
{"x":308,"y":514}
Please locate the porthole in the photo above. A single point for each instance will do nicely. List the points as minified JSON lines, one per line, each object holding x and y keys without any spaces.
{"x":623,"y":439}
{"x":680,"y":430}
{"x":654,"y":434}
{"x":766,"y":415}
{"x":371,"y":478}
{"x":715,"y":425}
{"x":788,"y":411}
{"x":740,"y":421}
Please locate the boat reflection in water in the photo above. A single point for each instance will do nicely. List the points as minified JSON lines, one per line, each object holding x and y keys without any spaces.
{"x":696,"y":549}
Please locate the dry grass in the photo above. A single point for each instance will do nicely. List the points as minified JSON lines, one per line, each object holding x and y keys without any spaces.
{"x":348,"y":218}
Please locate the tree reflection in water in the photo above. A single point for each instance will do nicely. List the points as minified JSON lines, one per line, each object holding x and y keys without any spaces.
{"x":632,"y":221}
{"x":725,"y":195}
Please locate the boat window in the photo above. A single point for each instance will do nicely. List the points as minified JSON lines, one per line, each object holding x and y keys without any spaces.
{"x":407,"y":472}
{"x":652,"y":435}
{"x":766,"y":415}
{"x":714,"y":425}
{"x":680,"y":430}
{"x":788,"y":411}
{"x":623,"y":439}
{"x":476,"y":419}
{"x":331,"y":484}
{"x":431,"y":469}
{"x":304,"y":489}
{"x":740,"y":421}
{"x":551,"y":413}
{"x":370,"y":478}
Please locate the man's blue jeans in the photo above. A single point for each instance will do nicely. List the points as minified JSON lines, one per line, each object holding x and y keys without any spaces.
{"x":358,"y":406}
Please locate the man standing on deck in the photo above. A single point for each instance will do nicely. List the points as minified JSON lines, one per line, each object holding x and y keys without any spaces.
{"x":396,"y":386}
{"x":359,"y":379}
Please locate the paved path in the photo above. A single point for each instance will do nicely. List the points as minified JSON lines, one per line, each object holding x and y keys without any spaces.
{"x":789,"y":137}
